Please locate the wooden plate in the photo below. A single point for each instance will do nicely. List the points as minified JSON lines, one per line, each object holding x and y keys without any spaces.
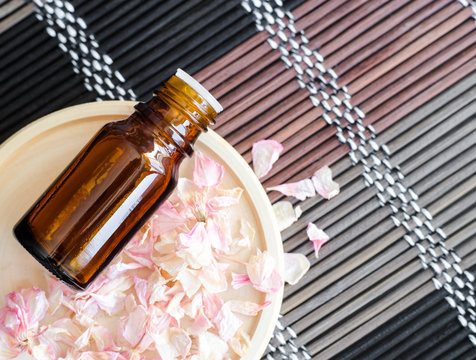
{"x":33,"y":157}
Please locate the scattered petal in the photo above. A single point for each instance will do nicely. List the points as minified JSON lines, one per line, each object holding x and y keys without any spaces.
{"x":285,"y":214}
{"x":323,"y":183}
{"x":265,"y":153}
{"x":207,"y":172}
{"x":300,"y":190}
{"x":295,"y":266}
{"x":317,"y":236}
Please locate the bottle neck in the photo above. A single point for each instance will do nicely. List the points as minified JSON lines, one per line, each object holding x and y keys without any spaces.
{"x":179,"y":114}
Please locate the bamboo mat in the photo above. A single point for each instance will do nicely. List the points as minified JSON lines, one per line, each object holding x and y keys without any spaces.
{"x":409,"y":66}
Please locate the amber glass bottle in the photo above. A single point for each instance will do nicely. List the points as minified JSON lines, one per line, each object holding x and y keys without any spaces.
{"x":115,"y":183}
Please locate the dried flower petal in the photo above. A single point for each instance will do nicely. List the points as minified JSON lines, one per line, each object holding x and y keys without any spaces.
{"x":200,"y":324}
{"x":207,"y":172}
{"x":221,"y":199}
{"x":240,"y":343}
{"x":317,"y":236}
{"x":227,"y":323}
{"x":195,"y":247}
{"x":173,"y":343}
{"x":239,"y":280}
{"x":211,"y":347}
{"x":165,"y":219}
{"x":265,"y":153}
{"x":213,"y":277}
{"x":285,"y":214}
{"x":248,"y":308}
{"x":323,"y":183}
{"x":211,"y":304}
{"x":133,"y":327}
{"x":263,"y":274}
{"x":189,"y":280}
{"x":300,"y":190}
{"x":295,"y":266}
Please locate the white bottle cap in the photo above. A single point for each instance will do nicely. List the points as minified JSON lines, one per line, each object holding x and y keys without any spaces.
{"x":195,"y":85}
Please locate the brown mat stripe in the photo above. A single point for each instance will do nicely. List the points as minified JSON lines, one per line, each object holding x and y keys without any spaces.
{"x":400,"y":70}
{"x":263,"y":99}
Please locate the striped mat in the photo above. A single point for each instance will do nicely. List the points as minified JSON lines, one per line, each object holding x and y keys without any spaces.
{"x":384,"y":92}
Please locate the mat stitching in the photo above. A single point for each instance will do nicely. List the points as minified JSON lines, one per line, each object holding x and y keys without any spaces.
{"x":87,"y":57}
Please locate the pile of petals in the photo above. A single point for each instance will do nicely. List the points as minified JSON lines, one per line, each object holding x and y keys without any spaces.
{"x":161,"y":298}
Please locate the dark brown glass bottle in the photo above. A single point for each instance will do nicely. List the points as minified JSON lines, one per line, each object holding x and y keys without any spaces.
{"x":115,"y":183}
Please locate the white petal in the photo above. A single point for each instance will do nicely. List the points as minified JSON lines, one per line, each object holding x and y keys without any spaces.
{"x":300,"y":190}
{"x":265,"y":153}
{"x":295,"y":266}
{"x":323,"y":183}
{"x":285,"y":214}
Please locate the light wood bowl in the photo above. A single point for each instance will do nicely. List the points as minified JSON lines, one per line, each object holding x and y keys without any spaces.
{"x":33,"y":157}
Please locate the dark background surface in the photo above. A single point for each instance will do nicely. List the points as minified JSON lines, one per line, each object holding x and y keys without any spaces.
{"x":148,"y":40}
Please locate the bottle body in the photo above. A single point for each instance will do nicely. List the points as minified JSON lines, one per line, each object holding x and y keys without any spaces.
{"x":111,"y":188}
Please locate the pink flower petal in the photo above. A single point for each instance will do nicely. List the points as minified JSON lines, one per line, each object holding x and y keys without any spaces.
{"x":263,"y":274}
{"x":323,"y":183}
{"x":55,"y":294}
{"x":227,"y":323}
{"x":239,"y":280}
{"x":119,"y":268}
{"x":165,"y":219}
{"x":207,"y":172}
{"x":141,"y":287}
{"x":211,"y":304}
{"x":172,"y":344}
{"x":174,"y":307}
{"x":240,"y":343}
{"x":9,"y":348}
{"x":200,"y":324}
{"x":285,"y":214}
{"x":42,"y":352}
{"x":193,"y":306}
{"x":300,"y":190}
{"x":247,"y":308}
{"x":189,"y":280}
{"x":211,"y":346}
{"x":102,"y":337}
{"x":265,"y":153}
{"x":213,"y":278}
{"x":133,"y":327}
{"x":195,"y":247}
{"x":83,"y":340}
{"x":215,"y":237}
{"x":158,"y":324}
{"x":295,"y":266}
{"x":317,"y":236}
{"x":224,"y":198}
